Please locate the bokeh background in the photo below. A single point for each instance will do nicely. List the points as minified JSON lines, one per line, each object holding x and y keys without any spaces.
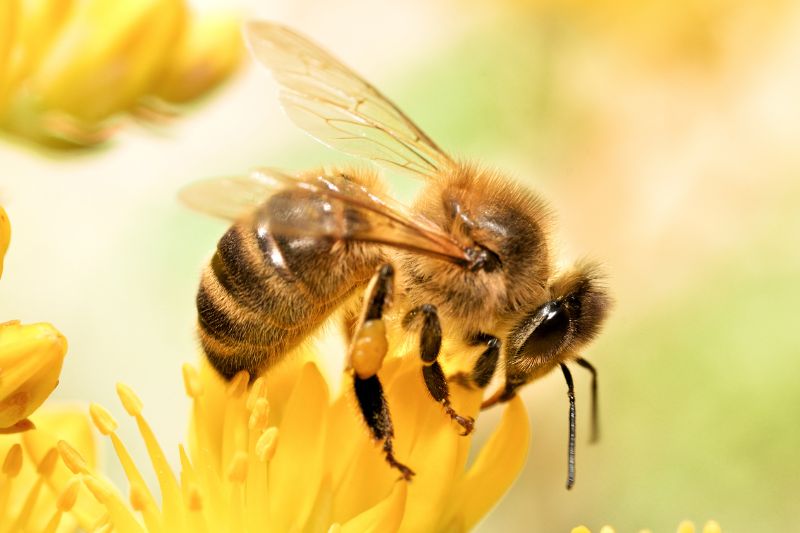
{"x":665,"y":134}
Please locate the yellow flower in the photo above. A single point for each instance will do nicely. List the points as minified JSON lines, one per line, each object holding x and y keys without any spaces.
{"x":37,"y":491}
{"x":68,"y":67}
{"x":30,"y":364}
{"x":30,"y":360}
{"x":281,"y":455}
{"x":684,"y":527}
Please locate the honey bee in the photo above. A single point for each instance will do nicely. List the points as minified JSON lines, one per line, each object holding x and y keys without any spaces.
{"x":471,"y":259}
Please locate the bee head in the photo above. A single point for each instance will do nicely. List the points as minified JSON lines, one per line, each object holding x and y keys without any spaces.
{"x":554,"y":331}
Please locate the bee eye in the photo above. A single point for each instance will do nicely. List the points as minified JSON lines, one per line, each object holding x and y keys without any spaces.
{"x":551,"y":331}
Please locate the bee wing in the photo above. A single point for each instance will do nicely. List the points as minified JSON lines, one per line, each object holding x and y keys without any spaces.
{"x":339,"y":108}
{"x":349,"y":211}
{"x":229,"y":198}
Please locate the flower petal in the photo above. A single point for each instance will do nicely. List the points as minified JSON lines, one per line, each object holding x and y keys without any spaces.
{"x":497,"y":465}
{"x":296,"y":467}
{"x":30,"y":364}
{"x":386,"y":516}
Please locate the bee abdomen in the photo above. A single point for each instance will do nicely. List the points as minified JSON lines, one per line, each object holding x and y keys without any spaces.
{"x":261,"y":295}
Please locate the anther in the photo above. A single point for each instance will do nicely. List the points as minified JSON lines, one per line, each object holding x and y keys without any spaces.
{"x":66,"y":500}
{"x":266,"y":444}
{"x":103,"y":420}
{"x":13,"y":462}
{"x":72,"y":458}
{"x":132,"y":404}
{"x":48,"y":463}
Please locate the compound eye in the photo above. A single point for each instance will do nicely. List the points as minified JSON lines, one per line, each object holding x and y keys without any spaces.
{"x":551,"y":332}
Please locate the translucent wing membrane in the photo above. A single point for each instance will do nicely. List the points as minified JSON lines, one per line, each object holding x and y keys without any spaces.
{"x":229,"y":198}
{"x":339,"y":108}
{"x":320,"y":206}
{"x":350,"y":211}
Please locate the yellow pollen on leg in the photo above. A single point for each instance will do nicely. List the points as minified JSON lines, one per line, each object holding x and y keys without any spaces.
{"x":369,"y":348}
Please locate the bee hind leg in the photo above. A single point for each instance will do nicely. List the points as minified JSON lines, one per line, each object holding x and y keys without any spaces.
{"x":427,"y":319}
{"x":368,"y":347}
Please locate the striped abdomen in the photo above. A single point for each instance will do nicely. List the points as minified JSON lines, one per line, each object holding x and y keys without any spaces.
{"x":263,"y":294}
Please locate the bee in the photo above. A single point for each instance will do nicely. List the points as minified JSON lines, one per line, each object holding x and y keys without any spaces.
{"x":471,"y":259}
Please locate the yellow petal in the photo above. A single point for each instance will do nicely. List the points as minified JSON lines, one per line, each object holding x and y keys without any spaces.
{"x":712,"y":527}
{"x":30,"y":364}
{"x":686,"y":527}
{"x":297,"y":464}
{"x":386,"y":516}
{"x":5,"y":225}
{"x":210,"y":50}
{"x":497,"y":465}
{"x":580,"y":529}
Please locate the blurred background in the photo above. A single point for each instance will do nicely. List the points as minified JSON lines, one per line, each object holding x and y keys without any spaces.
{"x":665,"y":134}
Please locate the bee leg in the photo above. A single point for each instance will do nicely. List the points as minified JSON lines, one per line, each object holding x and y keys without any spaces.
{"x":485,"y":365}
{"x":368,"y":347}
{"x":430,"y":344}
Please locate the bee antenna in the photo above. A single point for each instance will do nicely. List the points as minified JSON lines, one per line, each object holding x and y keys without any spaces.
{"x":571,"y":447}
{"x":595,"y":413}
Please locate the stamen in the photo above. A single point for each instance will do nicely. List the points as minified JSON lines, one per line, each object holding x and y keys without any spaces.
{"x":48,"y":464}
{"x":66,"y":500}
{"x":132,"y":404}
{"x":257,"y":390}
{"x":237,"y":469}
{"x":191,"y":381}
{"x":74,"y":461}
{"x":267,"y":442}
{"x":259,"y":415}
{"x":103,"y":420}
{"x":13,"y":462}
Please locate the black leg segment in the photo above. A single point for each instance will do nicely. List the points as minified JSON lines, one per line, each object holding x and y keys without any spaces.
{"x":375,"y":411}
{"x":426,"y":319}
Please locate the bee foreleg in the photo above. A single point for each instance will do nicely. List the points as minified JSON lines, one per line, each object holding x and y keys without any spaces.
{"x":429,"y":347}
{"x":368,"y":348}
{"x":485,"y":365}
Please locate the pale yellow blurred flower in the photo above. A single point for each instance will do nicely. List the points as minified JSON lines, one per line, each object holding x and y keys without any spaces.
{"x":684,"y":527}
{"x":282,"y":455}
{"x":68,"y":68}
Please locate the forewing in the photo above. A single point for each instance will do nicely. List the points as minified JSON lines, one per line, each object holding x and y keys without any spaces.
{"x":339,"y":108}
{"x":344,"y":210}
